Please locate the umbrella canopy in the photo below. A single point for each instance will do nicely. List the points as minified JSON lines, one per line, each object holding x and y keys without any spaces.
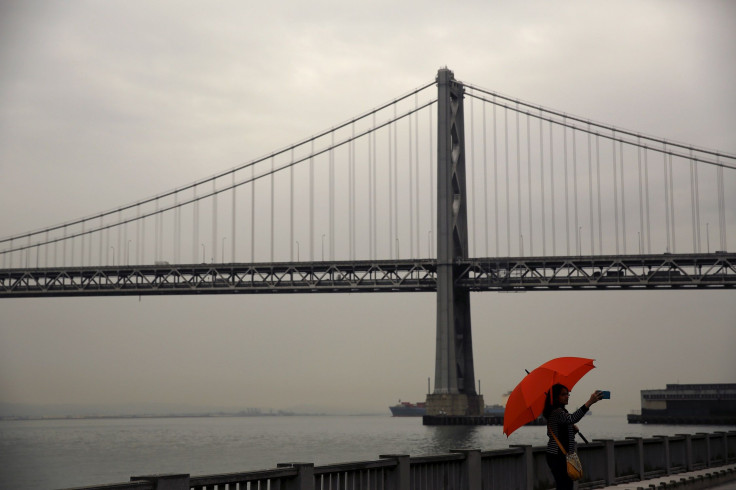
{"x":526,"y":402}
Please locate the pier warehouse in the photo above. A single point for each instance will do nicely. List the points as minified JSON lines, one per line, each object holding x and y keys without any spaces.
{"x":713,"y":404}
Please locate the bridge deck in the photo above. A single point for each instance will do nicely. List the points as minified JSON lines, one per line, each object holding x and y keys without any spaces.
{"x":667,"y":271}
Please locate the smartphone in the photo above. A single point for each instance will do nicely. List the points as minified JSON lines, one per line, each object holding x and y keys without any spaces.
{"x":606,"y":395}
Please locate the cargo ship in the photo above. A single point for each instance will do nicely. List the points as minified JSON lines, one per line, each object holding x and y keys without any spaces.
{"x":407,"y":409}
{"x":710,"y":404}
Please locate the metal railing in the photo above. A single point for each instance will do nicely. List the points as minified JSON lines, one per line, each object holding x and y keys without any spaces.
{"x":605,"y":462}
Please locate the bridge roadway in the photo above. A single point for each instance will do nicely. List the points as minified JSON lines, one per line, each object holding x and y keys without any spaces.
{"x":666,"y":271}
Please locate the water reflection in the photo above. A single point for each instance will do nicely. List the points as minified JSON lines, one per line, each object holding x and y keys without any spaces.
{"x":445,"y":438}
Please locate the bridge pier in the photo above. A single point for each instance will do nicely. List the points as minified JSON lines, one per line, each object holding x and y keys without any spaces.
{"x":454,"y":381}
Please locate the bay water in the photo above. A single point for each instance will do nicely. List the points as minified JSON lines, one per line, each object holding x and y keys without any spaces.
{"x":52,"y":454}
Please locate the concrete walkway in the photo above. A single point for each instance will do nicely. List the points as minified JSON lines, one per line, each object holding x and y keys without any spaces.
{"x":716,"y":478}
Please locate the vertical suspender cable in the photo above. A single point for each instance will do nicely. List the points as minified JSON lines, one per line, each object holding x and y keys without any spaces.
{"x":646,"y":195}
{"x":672,"y":205}
{"x":120,"y":241}
{"x":143,"y":243}
{"x":177,"y":242}
{"x":371,"y":191}
{"x":692,"y":202}
{"x":518,"y":182}
{"x":495,"y":177}
{"x":567,"y":192}
{"x":615,"y":189}
{"x":214,"y":222}
{"x":82,"y":247}
{"x":157,"y":230}
{"x":575,"y":190}
{"x":233,"y":221}
{"x":195,"y":227}
{"x":697,"y":205}
{"x":590,"y":194}
{"x":623,"y":198}
{"x":390,"y":194}
{"x":666,"y":200}
{"x":508,"y":196}
{"x":332,"y":196}
{"x":273,"y":210}
{"x":721,"y":205}
{"x":71,"y":257}
{"x":641,"y":197}
{"x":253,"y":214}
{"x":416,"y":179}
{"x":291,"y":207}
{"x":486,"y":224}
{"x":352,"y":193}
{"x":374,"y":193}
{"x":529,"y":182}
{"x":541,"y":185}
{"x":552,"y":188}
{"x":411,"y":190}
{"x":311,"y":203}
{"x":431,"y":181}
{"x":396,"y":182}
{"x":598,"y":177}
{"x":472,"y":181}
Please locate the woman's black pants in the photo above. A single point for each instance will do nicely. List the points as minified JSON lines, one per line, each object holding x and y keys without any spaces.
{"x":558,"y":465}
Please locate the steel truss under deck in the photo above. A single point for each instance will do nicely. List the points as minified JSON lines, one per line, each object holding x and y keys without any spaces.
{"x":668,"y":271}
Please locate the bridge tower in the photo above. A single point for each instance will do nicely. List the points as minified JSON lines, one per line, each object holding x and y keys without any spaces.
{"x":454,"y":380}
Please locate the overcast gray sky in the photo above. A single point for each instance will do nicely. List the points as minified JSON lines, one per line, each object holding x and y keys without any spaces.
{"x":104,"y":103}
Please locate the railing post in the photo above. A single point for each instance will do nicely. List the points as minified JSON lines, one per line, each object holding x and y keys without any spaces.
{"x":667,"y":461}
{"x":399,"y":477}
{"x":640,"y":453}
{"x":688,"y":451}
{"x":724,"y":436}
{"x":304,"y":480}
{"x":528,"y":464}
{"x":610,"y":458}
{"x":471,"y":469}
{"x":178,"y":481}
{"x":708,"y":452}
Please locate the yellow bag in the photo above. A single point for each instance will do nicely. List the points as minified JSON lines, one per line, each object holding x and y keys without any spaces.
{"x":574,"y":466}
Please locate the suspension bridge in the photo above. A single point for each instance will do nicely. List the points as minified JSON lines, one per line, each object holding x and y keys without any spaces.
{"x":450,"y":188}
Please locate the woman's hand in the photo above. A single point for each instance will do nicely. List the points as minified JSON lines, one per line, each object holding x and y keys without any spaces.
{"x":594,"y":398}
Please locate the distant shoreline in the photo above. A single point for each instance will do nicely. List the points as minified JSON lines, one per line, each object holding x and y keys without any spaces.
{"x":12,"y":418}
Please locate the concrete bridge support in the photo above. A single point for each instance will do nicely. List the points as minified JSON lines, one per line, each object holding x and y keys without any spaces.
{"x":454,"y":380}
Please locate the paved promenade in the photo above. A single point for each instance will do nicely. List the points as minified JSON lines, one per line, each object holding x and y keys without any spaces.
{"x":710,"y":478}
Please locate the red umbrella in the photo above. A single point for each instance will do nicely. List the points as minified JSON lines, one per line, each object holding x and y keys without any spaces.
{"x":526,"y":402}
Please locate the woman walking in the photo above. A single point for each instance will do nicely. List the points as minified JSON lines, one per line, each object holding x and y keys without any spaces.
{"x":561,"y":423}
